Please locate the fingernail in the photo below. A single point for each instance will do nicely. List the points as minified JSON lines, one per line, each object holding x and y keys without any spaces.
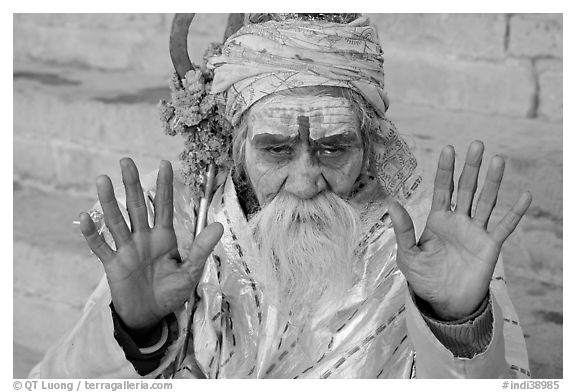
{"x":526,"y":196}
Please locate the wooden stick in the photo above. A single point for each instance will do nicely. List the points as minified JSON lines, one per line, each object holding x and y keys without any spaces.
{"x":201,"y":220}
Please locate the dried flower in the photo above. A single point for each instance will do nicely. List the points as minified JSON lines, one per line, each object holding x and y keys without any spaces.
{"x":198,"y":116}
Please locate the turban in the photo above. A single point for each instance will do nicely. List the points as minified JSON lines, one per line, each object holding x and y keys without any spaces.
{"x":265,"y":58}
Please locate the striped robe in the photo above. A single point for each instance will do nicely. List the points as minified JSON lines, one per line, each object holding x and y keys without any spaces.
{"x":375,"y":332}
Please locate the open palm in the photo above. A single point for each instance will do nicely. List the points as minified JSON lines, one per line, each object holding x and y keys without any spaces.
{"x":451,"y":265}
{"x":146,"y":276}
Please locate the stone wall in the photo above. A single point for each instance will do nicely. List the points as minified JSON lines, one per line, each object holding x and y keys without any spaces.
{"x":494,"y":64}
{"x":85,"y":91}
{"x":508,"y":65}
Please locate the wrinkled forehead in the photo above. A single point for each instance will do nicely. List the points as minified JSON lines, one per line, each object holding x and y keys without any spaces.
{"x":284,"y":115}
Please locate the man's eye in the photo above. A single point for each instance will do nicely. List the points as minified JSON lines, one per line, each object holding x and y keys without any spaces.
{"x":330,"y":151}
{"x":280,"y":150}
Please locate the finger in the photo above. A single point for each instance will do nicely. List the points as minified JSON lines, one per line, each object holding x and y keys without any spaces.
{"x":489,"y":193}
{"x":403,"y":226}
{"x":95,"y":241}
{"x":203,"y":245}
{"x":135,"y":202}
{"x":469,"y":178}
{"x":220,"y":178}
{"x":507,"y":225}
{"x":164,"y":199}
{"x":112,"y":215}
{"x":444,"y":182}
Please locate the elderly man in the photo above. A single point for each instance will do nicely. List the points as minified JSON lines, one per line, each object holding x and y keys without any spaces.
{"x":324,"y":257}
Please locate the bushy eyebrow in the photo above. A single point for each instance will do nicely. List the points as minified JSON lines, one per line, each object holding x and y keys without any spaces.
{"x":269,"y":139}
{"x":348,"y":139}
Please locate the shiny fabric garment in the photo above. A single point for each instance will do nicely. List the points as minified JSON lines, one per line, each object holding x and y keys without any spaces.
{"x":364,"y":336}
{"x":375,"y":332}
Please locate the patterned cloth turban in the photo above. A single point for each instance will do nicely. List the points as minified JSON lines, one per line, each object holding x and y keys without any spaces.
{"x":265,"y":58}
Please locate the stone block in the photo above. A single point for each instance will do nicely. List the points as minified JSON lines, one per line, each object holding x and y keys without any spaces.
{"x":503,"y":88}
{"x":40,"y":117}
{"x":469,"y":35}
{"x":88,"y":47}
{"x":536,"y":35}
{"x":34,"y":160}
{"x":94,"y":20}
{"x":550,"y":79}
{"x":133,"y":42}
{"x":132,"y":129}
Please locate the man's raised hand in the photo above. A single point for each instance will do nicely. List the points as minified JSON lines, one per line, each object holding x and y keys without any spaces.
{"x":146,"y":276}
{"x":451,"y":265}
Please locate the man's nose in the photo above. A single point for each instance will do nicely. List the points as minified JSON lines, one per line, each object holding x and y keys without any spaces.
{"x":305,"y":179}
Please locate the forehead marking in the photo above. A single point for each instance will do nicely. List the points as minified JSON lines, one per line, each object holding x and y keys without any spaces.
{"x":317,"y":117}
{"x":304,"y":128}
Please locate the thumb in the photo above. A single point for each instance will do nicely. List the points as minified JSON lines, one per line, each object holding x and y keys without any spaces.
{"x":403,"y":226}
{"x":204,"y":244}
{"x":221,"y":176}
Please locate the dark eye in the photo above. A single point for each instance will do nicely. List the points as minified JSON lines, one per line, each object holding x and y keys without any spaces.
{"x":330,"y":151}
{"x":280,"y":150}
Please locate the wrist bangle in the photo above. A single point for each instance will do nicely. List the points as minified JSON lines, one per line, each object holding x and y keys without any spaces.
{"x":160,"y":343}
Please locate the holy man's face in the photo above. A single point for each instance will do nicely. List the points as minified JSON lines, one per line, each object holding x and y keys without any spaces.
{"x":303,"y":146}
{"x":303,"y":155}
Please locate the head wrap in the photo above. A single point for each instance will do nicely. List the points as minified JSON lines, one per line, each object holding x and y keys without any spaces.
{"x":265,"y":58}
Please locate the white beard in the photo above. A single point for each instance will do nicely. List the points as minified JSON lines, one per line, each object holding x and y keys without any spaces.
{"x":306,"y":251}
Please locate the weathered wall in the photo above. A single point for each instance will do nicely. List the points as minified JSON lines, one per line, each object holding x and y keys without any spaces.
{"x":495,"y":64}
{"x":85,"y":90}
{"x":508,"y":65}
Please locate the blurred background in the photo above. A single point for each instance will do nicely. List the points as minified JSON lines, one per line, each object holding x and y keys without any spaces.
{"x":85,"y":94}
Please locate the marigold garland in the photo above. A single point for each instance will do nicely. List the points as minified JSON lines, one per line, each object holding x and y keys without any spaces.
{"x":197,"y":115}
